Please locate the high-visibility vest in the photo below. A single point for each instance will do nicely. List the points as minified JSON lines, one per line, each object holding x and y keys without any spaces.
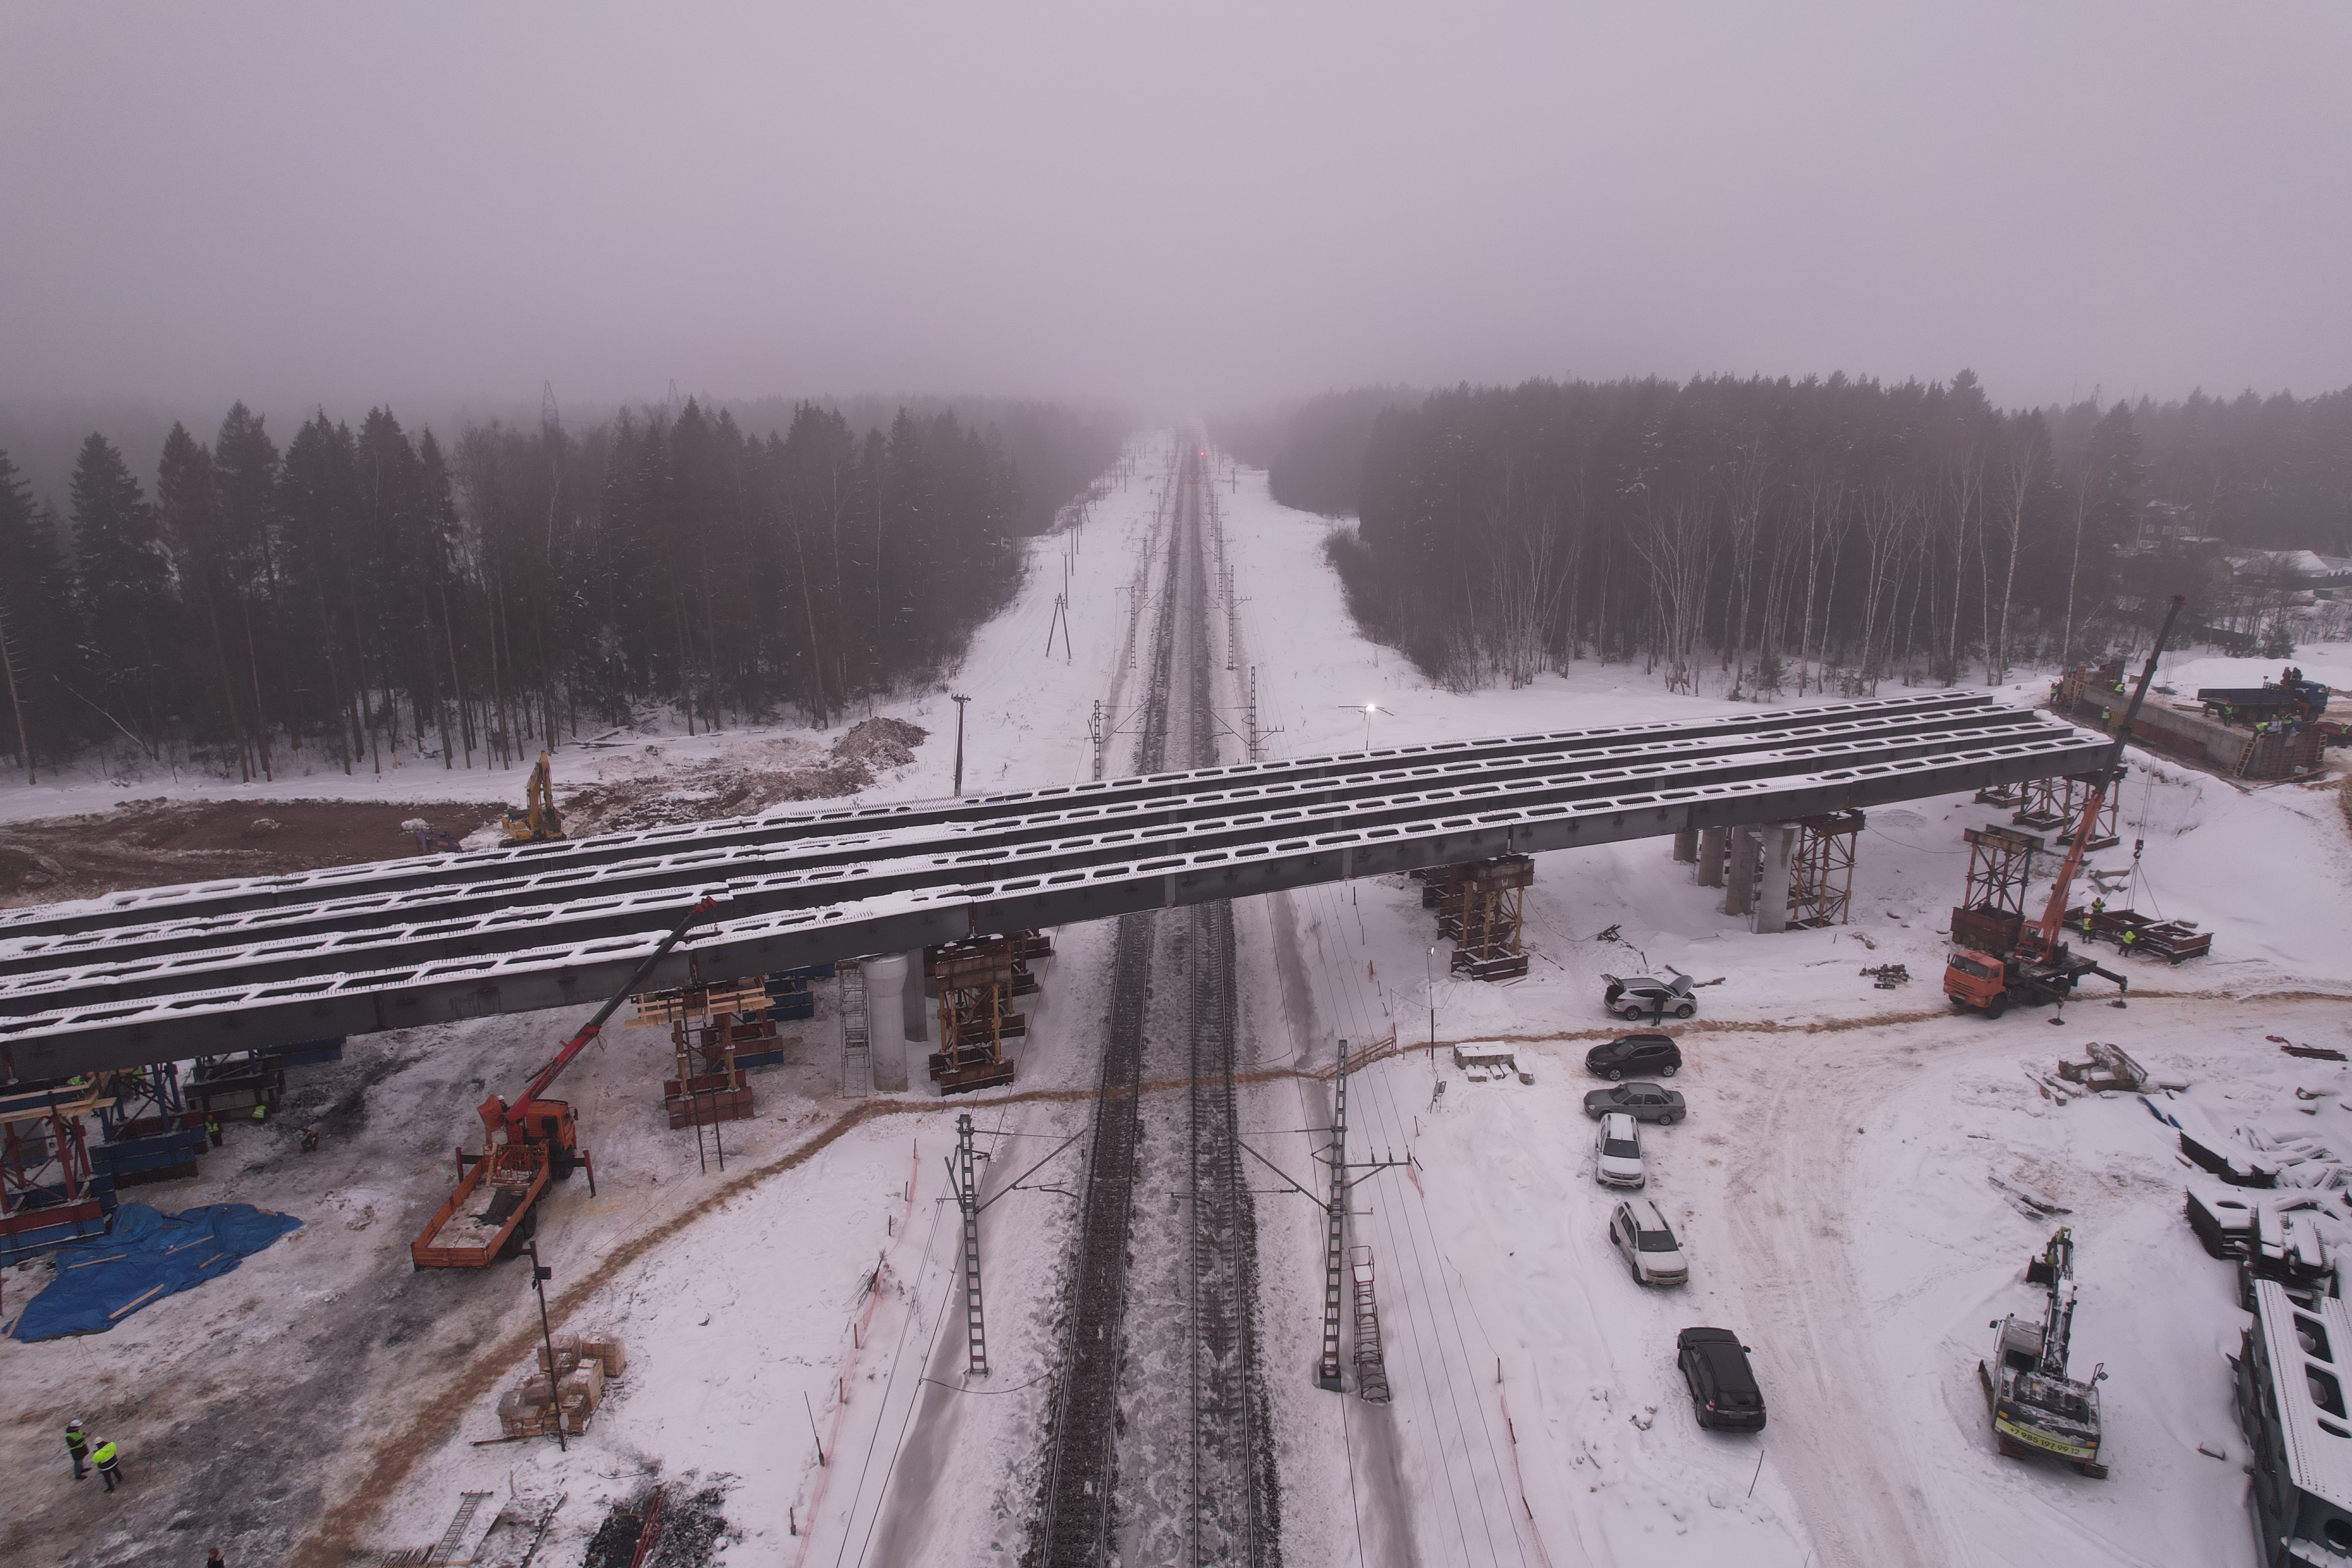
{"x":261,"y":1113}
{"x":104,"y":1454}
{"x":77,"y":1439}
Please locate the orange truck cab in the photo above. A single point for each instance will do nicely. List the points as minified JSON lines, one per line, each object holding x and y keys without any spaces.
{"x":1974,"y":979}
{"x":545,"y":1121}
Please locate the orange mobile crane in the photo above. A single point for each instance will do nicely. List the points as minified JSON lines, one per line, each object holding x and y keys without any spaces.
{"x":526,"y":1145}
{"x":2040,"y":967}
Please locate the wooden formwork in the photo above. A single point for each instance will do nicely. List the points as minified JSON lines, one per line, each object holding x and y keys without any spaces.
{"x":974,"y":981}
{"x":716,"y":1033}
{"x":1480,"y":909}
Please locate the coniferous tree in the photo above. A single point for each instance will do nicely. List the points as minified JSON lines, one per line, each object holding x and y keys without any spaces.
{"x":124,"y":577}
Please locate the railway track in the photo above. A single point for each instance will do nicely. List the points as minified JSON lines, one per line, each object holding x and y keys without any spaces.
{"x":1160,"y":1450}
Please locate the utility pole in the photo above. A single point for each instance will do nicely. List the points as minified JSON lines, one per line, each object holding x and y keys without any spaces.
{"x":959,"y":699}
{"x":1335,"y":1216}
{"x":540,"y":1276}
{"x":967,"y":1192}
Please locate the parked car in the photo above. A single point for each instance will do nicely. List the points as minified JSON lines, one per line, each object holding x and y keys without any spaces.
{"x":1631,"y":1055}
{"x":1617,"y":1152}
{"x":1647,"y":995}
{"x":1639,"y":1231}
{"x":1722,"y":1384}
{"x":1642,"y":1101}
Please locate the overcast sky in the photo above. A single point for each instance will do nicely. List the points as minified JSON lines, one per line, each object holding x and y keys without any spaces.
{"x":1179,"y":203}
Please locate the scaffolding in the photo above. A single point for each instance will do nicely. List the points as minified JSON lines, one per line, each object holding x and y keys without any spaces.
{"x":148,"y":1134}
{"x":2055,"y":805}
{"x":48,"y":1194}
{"x":1821,"y":879}
{"x":716,"y":1034}
{"x":238,"y":1085}
{"x":857,"y":1043}
{"x":974,"y":981}
{"x":1991,"y":911}
{"x":1480,"y":911}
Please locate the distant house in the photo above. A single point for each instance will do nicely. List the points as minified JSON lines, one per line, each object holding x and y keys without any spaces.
{"x":2292,"y":572}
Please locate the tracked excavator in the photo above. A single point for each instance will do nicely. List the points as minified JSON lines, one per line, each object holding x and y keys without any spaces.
{"x":2036,"y":1408}
{"x":526,"y":1145}
{"x":537,"y":821}
{"x":2040,"y":966}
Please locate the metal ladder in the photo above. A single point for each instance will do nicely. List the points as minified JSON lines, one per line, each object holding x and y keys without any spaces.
{"x":444,"y":1551}
{"x":856,"y":1057}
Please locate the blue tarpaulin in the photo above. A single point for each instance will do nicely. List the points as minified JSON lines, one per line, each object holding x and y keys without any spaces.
{"x":147,"y":1257}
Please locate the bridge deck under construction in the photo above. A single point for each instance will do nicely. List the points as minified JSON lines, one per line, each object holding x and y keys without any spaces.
{"x":216,"y":967}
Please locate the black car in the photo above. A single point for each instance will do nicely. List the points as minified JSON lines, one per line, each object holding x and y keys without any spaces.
{"x":1649,"y":995}
{"x":1722,"y":1386}
{"x":1631,"y":1056}
{"x":1642,"y":1101}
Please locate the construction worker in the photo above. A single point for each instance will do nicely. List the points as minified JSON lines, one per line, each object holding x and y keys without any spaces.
{"x":2129,"y":937}
{"x":214,"y":1559}
{"x":309,"y":1140}
{"x":261,"y":1111}
{"x":76,"y":1446}
{"x":108,"y":1461}
{"x":212,"y":1129}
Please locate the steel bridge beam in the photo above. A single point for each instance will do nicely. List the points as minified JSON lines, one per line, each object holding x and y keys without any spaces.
{"x":240,"y":1017}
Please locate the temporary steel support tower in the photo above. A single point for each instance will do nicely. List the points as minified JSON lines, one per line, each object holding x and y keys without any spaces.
{"x":1820,"y":887}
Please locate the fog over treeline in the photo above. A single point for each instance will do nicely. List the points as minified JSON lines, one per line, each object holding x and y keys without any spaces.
{"x":359,"y":591}
{"x":1792,"y":536}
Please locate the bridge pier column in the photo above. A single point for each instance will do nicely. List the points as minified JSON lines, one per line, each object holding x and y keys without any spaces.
{"x":1739,"y":885}
{"x":917,"y":1018}
{"x":1686,"y":845}
{"x":886,"y":987}
{"x":1772,"y":896}
{"x":1710,"y":857}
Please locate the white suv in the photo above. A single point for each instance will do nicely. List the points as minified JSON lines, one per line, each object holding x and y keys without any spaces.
{"x":1639,"y":1231}
{"x":1617,"y":1152}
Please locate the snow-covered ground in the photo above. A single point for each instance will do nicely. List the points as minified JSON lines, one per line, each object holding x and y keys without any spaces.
{"x":1833,"y":1184}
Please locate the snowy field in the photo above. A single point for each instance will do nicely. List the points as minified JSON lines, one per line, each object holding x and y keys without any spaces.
{"x":1835,"y":1185}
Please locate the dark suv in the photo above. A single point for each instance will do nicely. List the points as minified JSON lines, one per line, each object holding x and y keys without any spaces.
{"x":1634,"y":1055}
{"x":1722,"y":1387}
{"x":1649,"y":995}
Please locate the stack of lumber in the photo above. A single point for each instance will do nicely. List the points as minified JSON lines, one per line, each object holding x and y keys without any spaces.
{"x":566,"y":1391}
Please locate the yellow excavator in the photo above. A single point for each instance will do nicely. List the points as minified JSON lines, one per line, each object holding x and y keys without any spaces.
{"x":538,"y":821}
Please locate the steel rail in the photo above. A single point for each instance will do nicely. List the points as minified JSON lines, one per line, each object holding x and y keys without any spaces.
{"x":48,"y":954}
{"x":148,"y":906}
{"x":149,"y":1029}
{"x":615,"y":913}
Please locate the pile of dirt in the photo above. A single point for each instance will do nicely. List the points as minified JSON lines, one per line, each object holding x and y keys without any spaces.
{"x":737,"y":786}
{"x":157,"y":842}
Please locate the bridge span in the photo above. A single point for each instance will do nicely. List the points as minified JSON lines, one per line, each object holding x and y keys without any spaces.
{"x":211,"y":968}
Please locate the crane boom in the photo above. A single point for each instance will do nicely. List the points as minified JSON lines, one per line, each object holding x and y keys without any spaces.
{"x":512,"y":1115}
{"x":2045,"y":935}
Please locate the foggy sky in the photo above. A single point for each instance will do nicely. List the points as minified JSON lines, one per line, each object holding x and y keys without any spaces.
{"x":1192,"y":202}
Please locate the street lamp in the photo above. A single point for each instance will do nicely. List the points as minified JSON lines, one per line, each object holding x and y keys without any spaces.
{"x":1429,"y":976}
{"x":959,"y":699}
{"x":1367,"y":710}
{"x":540,"y":1276}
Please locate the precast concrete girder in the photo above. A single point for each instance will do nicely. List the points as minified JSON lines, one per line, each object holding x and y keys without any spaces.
{"x":237,"y":1017}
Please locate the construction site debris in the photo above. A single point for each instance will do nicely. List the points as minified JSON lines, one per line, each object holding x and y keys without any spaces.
{"x":2310,"y":1053}
{"x":1887,"y":976}
{"x":2109,"y":1068}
